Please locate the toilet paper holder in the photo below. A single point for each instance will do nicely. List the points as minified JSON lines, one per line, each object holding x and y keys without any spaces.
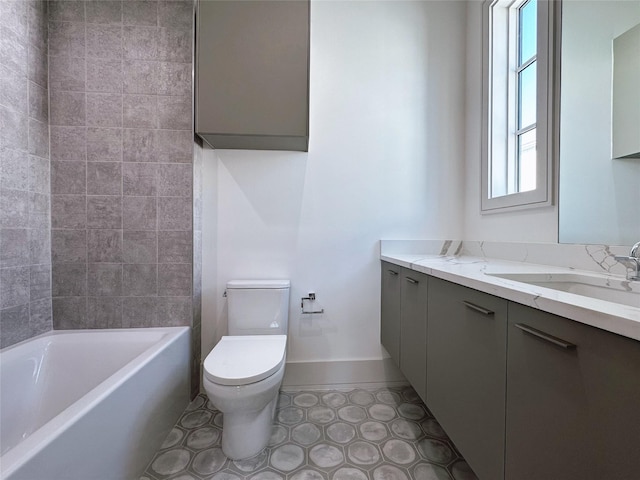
{"x":310,"y":298}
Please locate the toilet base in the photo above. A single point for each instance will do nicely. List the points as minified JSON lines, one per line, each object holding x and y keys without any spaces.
{"x":247,"y":413}
{"x":244,"y":436}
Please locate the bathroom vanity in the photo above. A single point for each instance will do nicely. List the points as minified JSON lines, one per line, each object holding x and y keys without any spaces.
{"x":528,"y":381}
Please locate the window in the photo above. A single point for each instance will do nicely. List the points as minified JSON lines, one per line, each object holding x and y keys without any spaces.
{"x":519,"y":119}
{"x":524,"y":167}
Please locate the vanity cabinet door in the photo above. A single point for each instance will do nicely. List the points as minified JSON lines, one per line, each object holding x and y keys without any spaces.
{"x":391,"y":276}
{"x":413,"y":330}
{"x":466,"y":362}
{"x":573,"y":400}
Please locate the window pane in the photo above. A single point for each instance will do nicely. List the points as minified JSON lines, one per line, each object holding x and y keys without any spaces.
{"x":498,"y":178}
{"x":527,"y":160}
{"x":527,"y":96}
{"x":527,"y":38}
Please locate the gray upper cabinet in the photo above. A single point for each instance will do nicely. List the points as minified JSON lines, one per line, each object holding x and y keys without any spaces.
{"x":573,"y":400}
{"x":466,"y":362}
{"x":252,"y":74}
{"x":413,"y":330}
{"x":391,"y":276}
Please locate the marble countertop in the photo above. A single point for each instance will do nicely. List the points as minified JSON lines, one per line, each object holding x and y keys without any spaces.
{"x":474,"y":272}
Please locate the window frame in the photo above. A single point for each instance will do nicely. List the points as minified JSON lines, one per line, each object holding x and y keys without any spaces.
{"x":497,"y":143}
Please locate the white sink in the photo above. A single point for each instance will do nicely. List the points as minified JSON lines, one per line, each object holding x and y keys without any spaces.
{"x":588,"y":285}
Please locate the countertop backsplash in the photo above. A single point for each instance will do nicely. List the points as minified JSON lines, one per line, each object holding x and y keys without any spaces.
{"x":594,"y":258}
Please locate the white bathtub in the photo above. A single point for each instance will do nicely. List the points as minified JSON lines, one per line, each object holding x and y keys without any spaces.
{"x":90,"y":404}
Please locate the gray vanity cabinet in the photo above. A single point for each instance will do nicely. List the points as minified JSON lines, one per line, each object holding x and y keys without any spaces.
{"x":413,"y":330}
{"x":523,"y":394}
{"x":466,"y":362}
{"x":573,"y":400}
{"x":403,"y":322}
{"x":391,"y":277}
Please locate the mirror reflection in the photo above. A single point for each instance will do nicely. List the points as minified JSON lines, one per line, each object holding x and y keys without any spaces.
{"x":599,"y":194}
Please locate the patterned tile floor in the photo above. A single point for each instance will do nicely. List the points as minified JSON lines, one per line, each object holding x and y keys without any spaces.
{"x":384,"y":434}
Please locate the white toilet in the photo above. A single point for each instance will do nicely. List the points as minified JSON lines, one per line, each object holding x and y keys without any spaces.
{"x":243,"y":373}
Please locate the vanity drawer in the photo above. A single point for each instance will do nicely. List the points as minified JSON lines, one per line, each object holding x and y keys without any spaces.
{"x":573,"y":400}
{"x":391,"y":277}
{"x":466,"y":362}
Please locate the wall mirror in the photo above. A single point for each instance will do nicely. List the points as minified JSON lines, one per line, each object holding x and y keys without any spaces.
{"x":599,"y":195}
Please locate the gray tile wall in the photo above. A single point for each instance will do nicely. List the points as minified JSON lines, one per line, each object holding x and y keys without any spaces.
{"x":25,"y":260}
{"x":121,"y":163}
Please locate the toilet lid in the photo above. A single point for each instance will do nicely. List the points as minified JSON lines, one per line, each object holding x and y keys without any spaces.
{"x":244,"y":359}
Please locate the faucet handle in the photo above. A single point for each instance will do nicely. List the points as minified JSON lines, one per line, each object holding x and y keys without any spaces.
{"x":633,"y":265}
{"x":635,"y":251}
{"x":626,"y":260}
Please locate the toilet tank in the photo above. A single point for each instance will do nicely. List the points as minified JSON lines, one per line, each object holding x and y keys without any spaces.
{"x":258,"y":307}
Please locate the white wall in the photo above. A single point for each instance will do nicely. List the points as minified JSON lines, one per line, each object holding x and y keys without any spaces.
{"x":210,"y":297}
{"x":535,"y":225}
{"x":385,"y":161}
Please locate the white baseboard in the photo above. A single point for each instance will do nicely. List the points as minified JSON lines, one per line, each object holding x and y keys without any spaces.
{"x":342,"y":375}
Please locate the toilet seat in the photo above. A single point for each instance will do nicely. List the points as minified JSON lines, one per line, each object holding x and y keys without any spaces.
{"x":245,"y":359}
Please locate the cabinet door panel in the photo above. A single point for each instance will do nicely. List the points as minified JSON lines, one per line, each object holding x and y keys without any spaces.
{"x":572,"y":413}
{"x":413,"y":330}
{"x":252,"y":74}
{"x":391,"y":276}
{"x":466,"y":362}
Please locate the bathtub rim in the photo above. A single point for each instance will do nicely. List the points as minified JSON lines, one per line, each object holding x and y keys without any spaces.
{"x":16,"y":457}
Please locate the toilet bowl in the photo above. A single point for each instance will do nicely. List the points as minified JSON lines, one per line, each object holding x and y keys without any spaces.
{"x":248,"y":405}
{"x":243,"y":373}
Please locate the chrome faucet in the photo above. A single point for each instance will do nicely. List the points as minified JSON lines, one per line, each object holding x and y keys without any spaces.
{"x":632,"y":262}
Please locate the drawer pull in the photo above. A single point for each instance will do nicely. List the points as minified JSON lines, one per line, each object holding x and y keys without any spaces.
{"x":411,"y":280}
{"x":545,"y":336}
{"x":477,"y":308}
{"x":392,"y":272}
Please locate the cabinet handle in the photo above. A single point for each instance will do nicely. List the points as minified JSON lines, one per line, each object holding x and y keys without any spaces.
{"x":477,"y":308}
{"x":392,"y":272}
{"x":545,"y":336}
{"x":411,"y":280}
